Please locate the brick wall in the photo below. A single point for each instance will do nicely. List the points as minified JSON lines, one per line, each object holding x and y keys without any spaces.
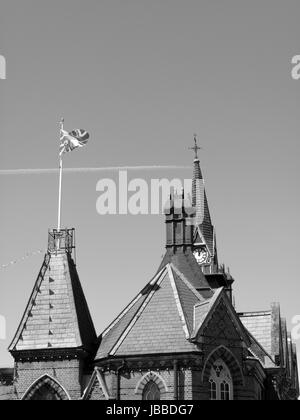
{"x":67,"y":373}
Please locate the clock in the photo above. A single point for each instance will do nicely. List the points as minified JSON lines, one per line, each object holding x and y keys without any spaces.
{"x":202,"y":256}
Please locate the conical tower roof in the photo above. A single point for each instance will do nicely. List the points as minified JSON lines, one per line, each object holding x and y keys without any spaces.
{"x":57,"y":314}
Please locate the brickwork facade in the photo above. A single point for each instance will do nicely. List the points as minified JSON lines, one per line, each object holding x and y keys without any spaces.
{"x":67,"y":373}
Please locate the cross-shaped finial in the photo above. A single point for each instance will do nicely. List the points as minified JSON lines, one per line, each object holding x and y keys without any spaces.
{"x":195,"y":148}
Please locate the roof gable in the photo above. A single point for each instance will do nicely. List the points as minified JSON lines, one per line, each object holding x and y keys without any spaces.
{"x":97,"y":387}
{"x":217,"y":320}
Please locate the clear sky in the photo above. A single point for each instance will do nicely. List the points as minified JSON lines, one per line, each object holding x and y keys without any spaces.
{"x":142,"y":77}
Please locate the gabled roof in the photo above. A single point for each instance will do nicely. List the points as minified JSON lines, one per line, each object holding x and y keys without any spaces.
{"x":205,"y":311}
{"x":97,"y":380}
{"x":57,"y":315}
{"x":158,"y":321}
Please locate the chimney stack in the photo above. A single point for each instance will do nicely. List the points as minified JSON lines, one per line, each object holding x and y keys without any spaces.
{"x":180,"y":217}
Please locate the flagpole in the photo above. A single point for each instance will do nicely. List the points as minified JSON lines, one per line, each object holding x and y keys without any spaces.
{"x":59,"y":194}
{"x":60,"y":183}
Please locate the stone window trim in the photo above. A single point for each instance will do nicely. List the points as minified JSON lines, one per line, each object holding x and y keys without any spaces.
{"x":229,"y":359}
{"x":154,"y":377}
{"x":46,"y":380}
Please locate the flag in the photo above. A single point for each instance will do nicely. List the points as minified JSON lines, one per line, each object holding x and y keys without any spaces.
{"x":72,"y":140}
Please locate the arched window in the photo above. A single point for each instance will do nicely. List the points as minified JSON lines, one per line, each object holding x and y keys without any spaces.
{"x":221,"y":386}
{"x":45,"y":393}
{"x":46,"y":389}
{"x":151,"y":392}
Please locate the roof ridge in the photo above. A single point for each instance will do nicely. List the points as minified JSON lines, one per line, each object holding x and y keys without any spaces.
{"x":139,"y":312}
{"x":259,"y":344}
{"x":131,"y":304}
{"x":187,"y":283}
{"x":255,"y":313}
{"x":178,"y":302}
{"x":73,"y":280}
{"x":196,"y":270}
{"x":31,"y":300}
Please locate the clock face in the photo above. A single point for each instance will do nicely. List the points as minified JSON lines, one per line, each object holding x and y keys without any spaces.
{"x":202,"y":256}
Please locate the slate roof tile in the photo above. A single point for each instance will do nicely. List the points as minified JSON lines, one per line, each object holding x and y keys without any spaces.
{"x":259,"y":324}
{"x":57,"y":312}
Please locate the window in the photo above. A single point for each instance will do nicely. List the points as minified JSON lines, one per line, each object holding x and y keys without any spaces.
{"x":213,"y":390}
{"x":151,"y":392}
{"x":45,"y":389}
{"x":221,"y":387}
{"x":225,"y":391}
{"x":45,"y":393}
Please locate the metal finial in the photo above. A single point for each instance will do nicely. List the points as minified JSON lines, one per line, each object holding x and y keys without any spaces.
{"x":62,"y":123}
{"x":195,"y":148}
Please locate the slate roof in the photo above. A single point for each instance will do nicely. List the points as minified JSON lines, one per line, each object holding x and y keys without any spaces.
{"x":158,"y":321}
{"x":186,"y":264}
{"x":168,"y":314}
{"x":57,"y":315}
{"x":257,"y":350}
{"x":259,"y":324}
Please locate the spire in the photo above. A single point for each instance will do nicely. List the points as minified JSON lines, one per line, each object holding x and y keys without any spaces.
{"x":57,"y":316}
{"x":204,"y":235}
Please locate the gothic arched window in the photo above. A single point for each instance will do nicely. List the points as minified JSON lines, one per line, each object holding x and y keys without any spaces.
{"x":151,"y":392}
{"x":46,"y":389}
{"x":221,"y":386}
{"x":45,"y":393}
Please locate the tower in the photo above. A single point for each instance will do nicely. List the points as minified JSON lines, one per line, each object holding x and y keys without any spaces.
{"x":55,"y":338}
{"x":204,"y":235}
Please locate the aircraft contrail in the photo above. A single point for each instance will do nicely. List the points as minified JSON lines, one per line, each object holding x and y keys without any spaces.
{"x":88,"y":170}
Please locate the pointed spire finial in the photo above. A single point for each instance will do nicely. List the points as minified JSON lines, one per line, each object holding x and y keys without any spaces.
{"x":195,"y":148}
